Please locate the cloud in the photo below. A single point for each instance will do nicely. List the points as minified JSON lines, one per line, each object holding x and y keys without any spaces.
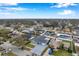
{"x":59,"y":5}
{"x":5,"y":13}
{"x":16,"y":9}
{"x":9,"y":1}
{"x":8,"y":9}
{"x":5,"y":7}
{"x":66,"y":12}
{"x":7,"y":4}
{"x":19,"y":8}
{"x":39,"y":1}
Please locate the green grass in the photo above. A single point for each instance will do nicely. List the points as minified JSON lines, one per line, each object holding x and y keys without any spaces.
{"x":61,"y":53}
{"x":74,"y":50}
{"x":20,"y":42}
{"x":4,"y":33}
{"x":0,"y":53}
{"x":30,"y":45}
{"x":10,"y":54}
{"x":66,"y":41}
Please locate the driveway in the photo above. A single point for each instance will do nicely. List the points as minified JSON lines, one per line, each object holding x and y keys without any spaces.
{"x":15,"y":49}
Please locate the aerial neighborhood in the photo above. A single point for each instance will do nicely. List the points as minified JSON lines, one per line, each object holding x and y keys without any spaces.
{"x":39,"y":37}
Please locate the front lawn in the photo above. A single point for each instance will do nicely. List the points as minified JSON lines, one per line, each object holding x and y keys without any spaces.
{"x":30,"y":45}
{"x":10,"y":54}
{"x":20,"y":42}
{"x":61,"y":53}
{"x":0,"y":53}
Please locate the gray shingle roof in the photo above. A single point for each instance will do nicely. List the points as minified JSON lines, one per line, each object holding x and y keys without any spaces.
{"x":40,"y":40}
{"x":39,"y":49}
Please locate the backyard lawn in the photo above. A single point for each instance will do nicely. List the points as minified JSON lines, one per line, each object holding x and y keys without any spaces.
{"x":61,"y":53}
{"x":66,"y":41}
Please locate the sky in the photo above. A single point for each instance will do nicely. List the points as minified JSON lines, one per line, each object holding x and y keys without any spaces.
{"x":39,"y":10}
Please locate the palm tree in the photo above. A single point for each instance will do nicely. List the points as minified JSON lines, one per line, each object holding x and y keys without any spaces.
{"x":73,"y":46}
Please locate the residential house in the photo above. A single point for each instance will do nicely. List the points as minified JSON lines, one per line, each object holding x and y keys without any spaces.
{"x":41,"y":40}
{"x":39,"y":50}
